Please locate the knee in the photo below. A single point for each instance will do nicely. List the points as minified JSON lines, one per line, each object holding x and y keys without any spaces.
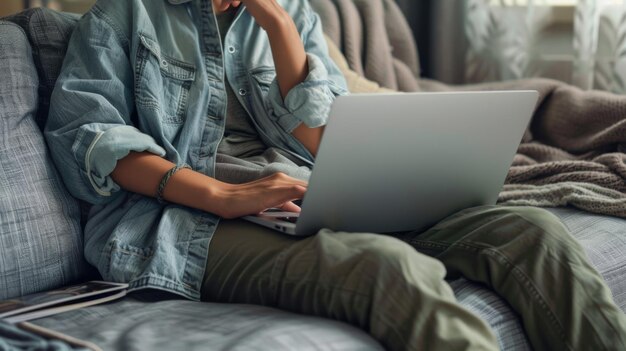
{"x":532,"y":229}
{"x":374,"y":257}
{"x":529,"y":212}
{"x":522,"y":229}
{"x":377,"y":266}
{"x":391,"y":258}
{"x":535,"y":217}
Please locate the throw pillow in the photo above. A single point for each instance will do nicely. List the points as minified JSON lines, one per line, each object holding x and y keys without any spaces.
{"x":40,"y":236}
{"x":48,"y":32}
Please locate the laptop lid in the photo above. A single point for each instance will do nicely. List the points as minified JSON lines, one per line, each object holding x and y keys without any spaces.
{"x":400,"y":162}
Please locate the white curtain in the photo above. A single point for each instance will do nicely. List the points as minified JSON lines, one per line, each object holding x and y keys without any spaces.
{"x":581,"y":42}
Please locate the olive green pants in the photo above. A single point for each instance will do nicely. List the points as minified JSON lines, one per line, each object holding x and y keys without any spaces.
{"x":393,"y":286}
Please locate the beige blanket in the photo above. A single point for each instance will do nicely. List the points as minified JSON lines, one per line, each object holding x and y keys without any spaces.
{"x":574,"y":152}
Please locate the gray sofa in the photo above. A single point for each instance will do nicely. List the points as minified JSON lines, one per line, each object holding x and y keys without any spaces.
{"x":41,"y":243}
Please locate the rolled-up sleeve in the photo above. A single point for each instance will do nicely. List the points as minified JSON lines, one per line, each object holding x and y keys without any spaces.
{"x":309,"y":102}
{"x":101,"y":149}
{"x":89,"y":126}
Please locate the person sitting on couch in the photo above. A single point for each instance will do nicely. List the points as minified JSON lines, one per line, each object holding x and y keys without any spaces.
{"x":176,"y":117}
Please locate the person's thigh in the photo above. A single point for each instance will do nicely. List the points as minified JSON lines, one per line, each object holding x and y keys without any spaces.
{"x":241,"y":258}
{"x":374,"y":282}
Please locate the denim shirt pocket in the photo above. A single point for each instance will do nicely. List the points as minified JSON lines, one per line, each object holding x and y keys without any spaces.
{"x":162,"y":83}
{"x":261,"y":79}
{"x":264,"y":76}
{"x":126,"y":262}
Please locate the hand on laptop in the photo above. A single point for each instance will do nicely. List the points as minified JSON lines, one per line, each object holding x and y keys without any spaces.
{"x":278,"y":191}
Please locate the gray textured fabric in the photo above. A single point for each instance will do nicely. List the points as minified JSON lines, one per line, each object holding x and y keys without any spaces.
{"x":40,"y":237}
{"x":387,"y":54}
{"x":236,"y":170}
{"x":132,"y":324}
{"x":604,"y":240}
{"x":48,"y":32}
{"x":240,"y":137}
{"x":14,"y":338}
{"x":504,"y":322}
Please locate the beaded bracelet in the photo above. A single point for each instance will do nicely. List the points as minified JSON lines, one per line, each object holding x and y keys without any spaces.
{"x":165,"y":179}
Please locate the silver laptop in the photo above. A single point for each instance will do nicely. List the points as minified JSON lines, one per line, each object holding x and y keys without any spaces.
{"x":401,"y":162}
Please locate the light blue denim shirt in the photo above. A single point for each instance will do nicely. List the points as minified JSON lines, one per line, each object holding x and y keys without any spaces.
{"x":148,"y":75}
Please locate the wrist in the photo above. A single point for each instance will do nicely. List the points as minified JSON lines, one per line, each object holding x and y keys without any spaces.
{"x":215,"y":196}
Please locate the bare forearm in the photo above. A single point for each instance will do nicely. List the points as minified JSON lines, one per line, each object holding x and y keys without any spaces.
{"x":292,"y":68}
{"x":142,"y":173}
{"x":289,"y":55}
{"x":309,"y":137}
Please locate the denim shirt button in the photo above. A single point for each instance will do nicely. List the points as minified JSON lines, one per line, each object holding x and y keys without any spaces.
{"x":164,"y":63}
{"x":231,"y":49}
{"x":243,"y":92}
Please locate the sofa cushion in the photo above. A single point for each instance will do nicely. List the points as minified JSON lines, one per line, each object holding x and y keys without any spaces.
{"x":604,"y":241}
{"x":40,"y":235}
{"x":136,"y":324}
{"x":48,"y":32}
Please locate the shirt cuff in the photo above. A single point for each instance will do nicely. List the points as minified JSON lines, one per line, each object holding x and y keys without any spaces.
{"x":308,"y":102}
{"x":99,"y":150}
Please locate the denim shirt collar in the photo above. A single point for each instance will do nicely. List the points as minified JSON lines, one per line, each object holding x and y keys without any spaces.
{"x":178,"y":2}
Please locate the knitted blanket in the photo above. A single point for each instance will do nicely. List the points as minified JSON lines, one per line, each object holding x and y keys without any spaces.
{"x":574,"y":151}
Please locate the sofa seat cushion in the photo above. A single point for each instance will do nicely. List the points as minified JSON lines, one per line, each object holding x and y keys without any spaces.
{"x":604,"y":241}
{"x":132,"y":324}
{"x":40,"y":236}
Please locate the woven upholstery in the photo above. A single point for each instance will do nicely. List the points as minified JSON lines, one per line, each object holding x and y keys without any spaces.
{"x":40,"y":237}
{"x":48,"y":33}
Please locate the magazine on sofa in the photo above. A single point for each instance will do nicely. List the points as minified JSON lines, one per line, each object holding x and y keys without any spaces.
{"x":65,"y":299}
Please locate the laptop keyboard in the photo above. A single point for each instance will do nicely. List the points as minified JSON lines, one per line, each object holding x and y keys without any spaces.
{"x":288,"y":219}
{"x":282,"y":218}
